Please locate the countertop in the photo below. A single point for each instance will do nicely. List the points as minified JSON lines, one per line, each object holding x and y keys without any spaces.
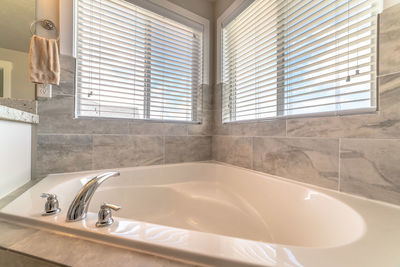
{"x":12,"y":114}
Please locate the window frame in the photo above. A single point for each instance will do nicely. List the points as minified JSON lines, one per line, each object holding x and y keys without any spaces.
{"x":170,"y":11}
{"x":234,"y":10}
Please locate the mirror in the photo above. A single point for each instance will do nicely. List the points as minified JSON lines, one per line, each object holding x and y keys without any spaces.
{"x":15,"y":19}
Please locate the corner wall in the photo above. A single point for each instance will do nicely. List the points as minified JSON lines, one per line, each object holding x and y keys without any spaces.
{"x":67,"y":144}
{"x":357,"y":154}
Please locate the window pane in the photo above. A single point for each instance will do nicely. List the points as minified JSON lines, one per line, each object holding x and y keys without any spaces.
{"x":286,"y":58}
{"x":133,"y":63}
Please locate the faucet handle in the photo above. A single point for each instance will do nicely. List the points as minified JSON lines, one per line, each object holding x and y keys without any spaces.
{"x":111,"y":206}
{"x":48,"y":195}
{"x":51,"y":206}
{"x":105,"y":216}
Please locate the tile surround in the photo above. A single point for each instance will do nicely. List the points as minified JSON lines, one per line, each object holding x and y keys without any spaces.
{"x":13,"y":259}
{"x":187,"y":148}
{"x":66,"y":143}
{"x":68,"y":250}
{"x":389,"y":45}
{"x":233,"y":150}
{"x":63,"y":153}
{"x":356,"y":154}
{"x":371,"y":168}
{"x":110,"y":151}
{"x":313,"y":161}
{"x":306,"y":149}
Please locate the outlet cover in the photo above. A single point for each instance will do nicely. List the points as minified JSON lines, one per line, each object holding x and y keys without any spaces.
{"x":43,"y":90}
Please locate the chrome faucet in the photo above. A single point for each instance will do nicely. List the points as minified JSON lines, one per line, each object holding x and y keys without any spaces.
{"x":79,"y":206}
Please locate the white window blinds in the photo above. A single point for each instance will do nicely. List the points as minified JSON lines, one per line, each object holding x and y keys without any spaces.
{"x":285,"y":58}
{"x":133,"y":63}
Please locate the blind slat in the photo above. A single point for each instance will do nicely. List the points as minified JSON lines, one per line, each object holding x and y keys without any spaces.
{"x":134,"y":63}
{"x":286,"y":58}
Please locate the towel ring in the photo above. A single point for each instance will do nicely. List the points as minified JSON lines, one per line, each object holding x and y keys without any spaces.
{"x":47,"y":24}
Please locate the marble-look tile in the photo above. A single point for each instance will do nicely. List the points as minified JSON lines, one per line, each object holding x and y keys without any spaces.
{"x":335,"y":127}
{"x":260,"y":128}
{"x":13,"y":259}
{"x":314,"y":161}
{"x":110,"y":151}
{"x":187,"y":148}
{"x":207,"y":97}
{"x":157,"y":128}
{"x":205,"y":127}
{"x":217,"y":96}
{"x":371,"y":168}
{"x":63,"y":153}
{"x":220,"y":128}
{"x":175,"y":129}
{"x":389,"y":95}
{"x":389,"y":41}
{"x":146,"y":128}
{"x":67,"y":77}
{"x":57,"y":117}
{"x":233,"y":150}
{"x":12,"y":233}
{"x":383,"y":124}
{"x":78,"y":252}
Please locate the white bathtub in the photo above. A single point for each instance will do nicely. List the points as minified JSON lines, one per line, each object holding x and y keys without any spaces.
{"x":222,"y":215}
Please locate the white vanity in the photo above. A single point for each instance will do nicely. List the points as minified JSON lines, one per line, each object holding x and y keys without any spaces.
{"x":15,"y":148}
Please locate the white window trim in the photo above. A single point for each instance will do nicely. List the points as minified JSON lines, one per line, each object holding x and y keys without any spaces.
{"x":233,"y":10}
{"x":159,"y":6}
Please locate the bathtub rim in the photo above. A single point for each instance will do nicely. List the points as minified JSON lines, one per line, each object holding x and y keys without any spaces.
{"x":177,"y":254}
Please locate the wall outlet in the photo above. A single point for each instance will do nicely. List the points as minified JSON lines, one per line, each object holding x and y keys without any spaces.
{"x":43,"y":90}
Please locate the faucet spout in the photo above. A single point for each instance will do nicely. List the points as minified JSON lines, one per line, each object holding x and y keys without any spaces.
{"x":79,"y":206}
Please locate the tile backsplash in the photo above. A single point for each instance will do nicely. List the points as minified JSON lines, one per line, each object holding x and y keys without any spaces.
{"x":357,"y":154}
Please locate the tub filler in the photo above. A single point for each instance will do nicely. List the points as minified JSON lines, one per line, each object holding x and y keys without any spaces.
{"x":221,"y":215}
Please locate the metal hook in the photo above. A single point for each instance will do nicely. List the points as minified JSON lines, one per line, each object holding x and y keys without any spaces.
{"x":46,"y":24}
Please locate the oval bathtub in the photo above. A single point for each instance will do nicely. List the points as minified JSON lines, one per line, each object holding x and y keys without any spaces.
{"x":207,"y":213}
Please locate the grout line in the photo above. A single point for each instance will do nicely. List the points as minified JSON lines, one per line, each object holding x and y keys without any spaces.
{"x":311,"y":137}
{"x":115,"y":134}
{"x":387,"y":74}
{"x":228,"y":135}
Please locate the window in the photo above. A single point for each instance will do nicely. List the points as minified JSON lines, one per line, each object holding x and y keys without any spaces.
{"x":285,"y":58}
{"x":134,"y":63}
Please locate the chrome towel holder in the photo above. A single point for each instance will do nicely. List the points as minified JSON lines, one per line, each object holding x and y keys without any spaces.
{"x":46,"y":24}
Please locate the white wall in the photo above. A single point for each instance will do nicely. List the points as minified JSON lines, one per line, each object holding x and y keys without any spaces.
{"x":389,"y":3}
{"x":15,"y":155}
{"x":47,"y":9}
{"x":21,"y":87}
{"x":220,"y":6}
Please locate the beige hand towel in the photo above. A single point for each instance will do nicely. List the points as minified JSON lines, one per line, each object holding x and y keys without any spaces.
{"x":44,"y":61}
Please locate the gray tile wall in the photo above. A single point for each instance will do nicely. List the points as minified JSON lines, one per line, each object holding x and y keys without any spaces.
{"x":355,"y":154}
{"x":66,"y":144}
{"x":358,"y":154}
